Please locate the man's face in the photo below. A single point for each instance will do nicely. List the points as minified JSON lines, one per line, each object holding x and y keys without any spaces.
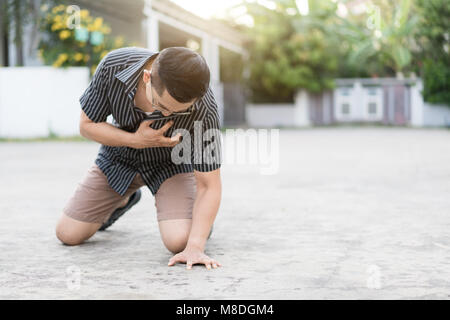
{"x":164,"y":103}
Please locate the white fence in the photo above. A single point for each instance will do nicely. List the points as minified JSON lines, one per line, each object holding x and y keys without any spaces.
{"x":351,"y":102}
{"x":36,"y":101}
{"x":270,"y":115}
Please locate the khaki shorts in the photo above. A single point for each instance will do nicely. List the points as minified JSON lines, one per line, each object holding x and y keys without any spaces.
{"x":94,"y":200}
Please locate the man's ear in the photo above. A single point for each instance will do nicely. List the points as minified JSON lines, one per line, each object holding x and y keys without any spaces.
{"x":146,"y":75}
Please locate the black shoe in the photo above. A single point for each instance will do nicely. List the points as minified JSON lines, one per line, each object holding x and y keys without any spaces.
{"x":134,"y":198}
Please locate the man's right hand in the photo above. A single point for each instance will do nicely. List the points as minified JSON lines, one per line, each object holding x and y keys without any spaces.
{"x":146,"y":137}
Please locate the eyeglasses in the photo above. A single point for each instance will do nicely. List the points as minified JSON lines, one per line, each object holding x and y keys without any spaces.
{"x":158,"y":115}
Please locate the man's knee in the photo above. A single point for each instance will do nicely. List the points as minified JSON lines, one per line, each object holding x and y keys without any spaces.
{"x":175,"y":233}
{"x":72,"y":232}
{"x":68,"y":237}
{"x":176,"y":243}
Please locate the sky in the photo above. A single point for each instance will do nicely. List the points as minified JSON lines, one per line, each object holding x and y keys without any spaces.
{"x":210,"y":8}
{"x":206,"y":8}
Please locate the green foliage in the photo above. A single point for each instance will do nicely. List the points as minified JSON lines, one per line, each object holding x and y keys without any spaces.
{"x":436,"y":81}
{"x":290,"y":51}
{"x":384,"y":36}
{"x":62,"y":45}
{"x":433,"y":38}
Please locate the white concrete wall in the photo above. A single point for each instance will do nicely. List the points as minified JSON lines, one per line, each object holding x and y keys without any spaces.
{"x":424,"y":114}
{"x":301,"y":112}
{"x":217,"y":89}
{"x":436,"y":115}
{"x":270,"y":115}
{"x":417,"y":112}
{"x":358,"y":99}
{"x":37,"y":100}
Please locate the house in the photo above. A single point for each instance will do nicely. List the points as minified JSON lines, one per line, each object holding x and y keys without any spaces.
{"x":155,"y":24}
{"x":386,"y":101}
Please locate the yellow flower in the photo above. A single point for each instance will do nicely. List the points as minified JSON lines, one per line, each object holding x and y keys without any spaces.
{"x":64,"y":34}
{"x":58,"y":8}
{"x":104,"y":53}
{"x":84,"y":13}
{"x":93,"y":69}
{"x":98,"y":23}
{"x":86,"y":58}
{"x":63,"y":56}
{"x":118,"y":42}
{"x":78,"y":56}
{"x":105,"y":30}
{"x":60,"y":60}
{"x":56,"y":26}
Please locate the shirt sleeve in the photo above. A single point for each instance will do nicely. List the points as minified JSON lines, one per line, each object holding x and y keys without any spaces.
{"x":94,"y":101}
{"x":207,"y":142}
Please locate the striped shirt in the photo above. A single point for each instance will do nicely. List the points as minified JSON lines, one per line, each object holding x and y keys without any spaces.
{"x":111,"y":91}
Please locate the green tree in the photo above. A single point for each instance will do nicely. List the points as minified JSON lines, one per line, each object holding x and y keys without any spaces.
{"x":14,"y":15}
{"x":289,"y":51}
{"x":64,"y":44}
{"x":387,"y":36}
{"x":433,"y":38}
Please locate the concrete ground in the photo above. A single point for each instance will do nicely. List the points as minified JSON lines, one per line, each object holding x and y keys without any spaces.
{"x":353,"y":213}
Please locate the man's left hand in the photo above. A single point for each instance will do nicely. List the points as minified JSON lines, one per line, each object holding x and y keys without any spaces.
{"x":192,"y":256}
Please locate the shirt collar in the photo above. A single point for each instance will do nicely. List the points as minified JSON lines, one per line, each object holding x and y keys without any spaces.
{"x":130,"y":77}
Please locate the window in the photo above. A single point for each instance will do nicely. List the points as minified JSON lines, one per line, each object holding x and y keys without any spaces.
{"x":372,"y":91}
{"x":345,"y":108}
{"x":372,"y":108}
{"x":345,"y":91}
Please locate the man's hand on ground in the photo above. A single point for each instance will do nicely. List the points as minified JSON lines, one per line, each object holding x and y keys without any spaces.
{"x":192,"y":256}
{"x":147,"y":137}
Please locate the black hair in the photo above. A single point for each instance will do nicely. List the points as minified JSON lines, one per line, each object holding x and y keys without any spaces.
{"x":182,"y":72}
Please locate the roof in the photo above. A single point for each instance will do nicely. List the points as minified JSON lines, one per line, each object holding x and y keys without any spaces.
{"x":213,"y":27}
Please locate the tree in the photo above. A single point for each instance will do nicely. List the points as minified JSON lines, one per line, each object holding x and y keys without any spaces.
{"x":388,"y":36}
{"x":433,"y":38}
{"x":14,"y":15}
{"x":66,"y":42}
{"x":289,"y":51}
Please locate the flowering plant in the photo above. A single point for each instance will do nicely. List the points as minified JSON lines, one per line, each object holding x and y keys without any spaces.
{"x":69,"y":41}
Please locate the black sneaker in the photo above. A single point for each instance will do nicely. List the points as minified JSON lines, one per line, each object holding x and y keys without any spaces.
{"x":134,"y":198}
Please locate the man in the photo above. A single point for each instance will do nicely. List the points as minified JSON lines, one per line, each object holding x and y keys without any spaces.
{"x":134,"y":84}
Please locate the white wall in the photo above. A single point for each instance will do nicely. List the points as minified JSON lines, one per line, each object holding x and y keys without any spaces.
{"x":435,"y":115}
{"x":301,"y":112}
{"x":424,"y":114}
{"x":35,"y":100}
{"x":270,"y":115}
{"x":358,"y":99}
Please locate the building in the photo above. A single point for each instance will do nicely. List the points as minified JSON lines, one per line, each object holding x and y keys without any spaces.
{"x":155,"y":24}
{"x":386,"y":101}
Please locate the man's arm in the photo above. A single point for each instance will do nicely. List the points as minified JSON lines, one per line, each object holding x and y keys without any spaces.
{"x":107,"y":134}
{"x":104,"y":132}
{"x":206,"y":205}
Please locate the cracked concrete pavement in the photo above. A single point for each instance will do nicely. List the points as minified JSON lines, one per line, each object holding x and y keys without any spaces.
{"x":353,"y":213}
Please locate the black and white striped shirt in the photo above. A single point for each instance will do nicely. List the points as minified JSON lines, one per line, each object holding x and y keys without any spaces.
{"x":111,"y":92}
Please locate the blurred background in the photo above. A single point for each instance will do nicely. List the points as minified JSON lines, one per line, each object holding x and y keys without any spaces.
{"x":278,"y":63}
{"x":357,"y":206}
